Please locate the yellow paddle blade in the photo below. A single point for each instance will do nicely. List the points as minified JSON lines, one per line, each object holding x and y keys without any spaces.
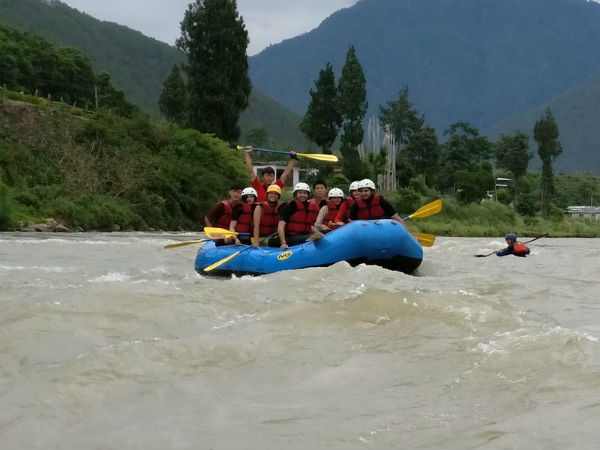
{"x":181,"y":244}
{"x":315,"y":236}
{"x":218,"y":233}
{"x":426,"y":240}
{"x":319,"y":157}
{"x":428,"y":210}
{"x":222,"y":261}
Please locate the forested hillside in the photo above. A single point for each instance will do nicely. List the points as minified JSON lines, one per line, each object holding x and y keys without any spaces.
{"x":577,"y":113}
{"x":464,"y":60}
{"x":137,"y":64}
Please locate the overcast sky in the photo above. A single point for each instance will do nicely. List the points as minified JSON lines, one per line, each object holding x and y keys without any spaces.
{"x":267,"y":21}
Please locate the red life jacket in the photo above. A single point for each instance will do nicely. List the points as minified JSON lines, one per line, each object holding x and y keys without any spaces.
{"x":244,"y":224}
{"x":371,"y":210}
{"x":269,"y":220}
{"x":349,"y":204}
{"x":303,"y":219}
{"x":329,"y":218}
{"x":225,"y":219}
{"x":519,"y":248}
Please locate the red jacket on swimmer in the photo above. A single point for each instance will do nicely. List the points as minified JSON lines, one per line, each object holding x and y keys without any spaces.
{"x":241,"y":219}
{"x":514,"y":247}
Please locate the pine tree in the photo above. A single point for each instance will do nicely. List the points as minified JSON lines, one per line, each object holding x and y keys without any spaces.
{"x":545,"y":133}
{"x":172,"y":102}
{"x":352,"y":101}
{"x":322,"y":120}
{"x":214,"y":37}
{"x":401,"y":116}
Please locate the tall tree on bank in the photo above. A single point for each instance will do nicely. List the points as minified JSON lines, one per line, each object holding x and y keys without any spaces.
{"x":402,"y":117}
{"x":545,"y":133}
{"x":512,"y":154}
{"x":214,"y":37}
{"x":172,"y":102}
{"x":352,"y":103}
{"x":322,"y":120}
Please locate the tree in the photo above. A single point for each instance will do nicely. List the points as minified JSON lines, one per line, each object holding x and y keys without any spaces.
{"x":545,"y":133}
{"x":512,"y":154}
{"x":214,"y":37}
{"x":464,"y":148}
{"x":322,"y":120}
{"x":423,"y":150}
{"x":352,"y":103}
{"x":111,"y":98}
{"x":257,"y":137}
{"x":172,"y":102}
{"x":401,"y":116}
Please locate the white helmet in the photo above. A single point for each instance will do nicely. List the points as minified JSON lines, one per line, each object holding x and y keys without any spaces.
{"x":366,"y":183}
{"x":335,"y":192}
{"x":249,"y":191}
{"x":301,"y":187}
{"x":354,"y":185}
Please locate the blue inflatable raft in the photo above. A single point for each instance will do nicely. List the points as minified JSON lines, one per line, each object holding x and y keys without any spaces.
{"x":381,"y":242}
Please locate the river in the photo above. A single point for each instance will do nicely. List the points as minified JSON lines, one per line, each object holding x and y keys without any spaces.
{"x":110,"y":341}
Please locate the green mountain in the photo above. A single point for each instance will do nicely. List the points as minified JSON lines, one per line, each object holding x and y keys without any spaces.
{"x":479,"y":61}
{"x":137,"y":64}
{"x":577,"y":113}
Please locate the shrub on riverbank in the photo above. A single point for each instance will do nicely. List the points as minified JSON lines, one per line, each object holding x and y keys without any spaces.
{"x":105,"y":170}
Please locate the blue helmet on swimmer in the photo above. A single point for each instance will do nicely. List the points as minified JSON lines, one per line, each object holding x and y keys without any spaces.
{"x":511,"y":236}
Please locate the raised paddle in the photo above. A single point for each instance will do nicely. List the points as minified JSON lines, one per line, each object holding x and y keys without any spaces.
{"x":426,"y":240}
{"x":233,"y":255}
{"x":316,"y":156}
{"x":531,"y":240}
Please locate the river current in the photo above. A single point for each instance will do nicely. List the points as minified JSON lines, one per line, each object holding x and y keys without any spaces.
{"x":110,"y":341}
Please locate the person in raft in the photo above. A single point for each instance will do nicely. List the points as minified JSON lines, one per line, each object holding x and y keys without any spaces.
{"x":329,"y":210}
{"x":220,"y":214}
{"x":372,"y":206}
{"x":296,"y":219}
{"x":266,"y":215}
{"x":343,"y":213}
{"x":241,"y":218}
{"x":319,"y":193}
{"x":515,"y":247}
{"x":267,"y":175}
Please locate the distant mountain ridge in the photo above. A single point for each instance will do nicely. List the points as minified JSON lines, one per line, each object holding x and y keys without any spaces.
{"x":137,"y":64}
{"x":479,"y":61}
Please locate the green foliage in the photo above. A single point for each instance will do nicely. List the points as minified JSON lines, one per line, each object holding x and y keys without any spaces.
{"x":503,"y":196}
{"x":215,"y":40}
{"x":423,"y":151}
{"x":405,"y":200}
{"x":352,"y":105}
{"x":472,"y":184}
{"x":173,"y":98}
{"x":545,"y":133}
{"x":256,"y":137}
{"x":340,"y":181}
{"x":110,"y":170}
{"x":401,"y":116}
{"x":323,"y":119}
{"x":5,"y":206}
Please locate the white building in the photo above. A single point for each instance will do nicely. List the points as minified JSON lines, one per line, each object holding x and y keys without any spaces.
{"x":585,"y":212}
